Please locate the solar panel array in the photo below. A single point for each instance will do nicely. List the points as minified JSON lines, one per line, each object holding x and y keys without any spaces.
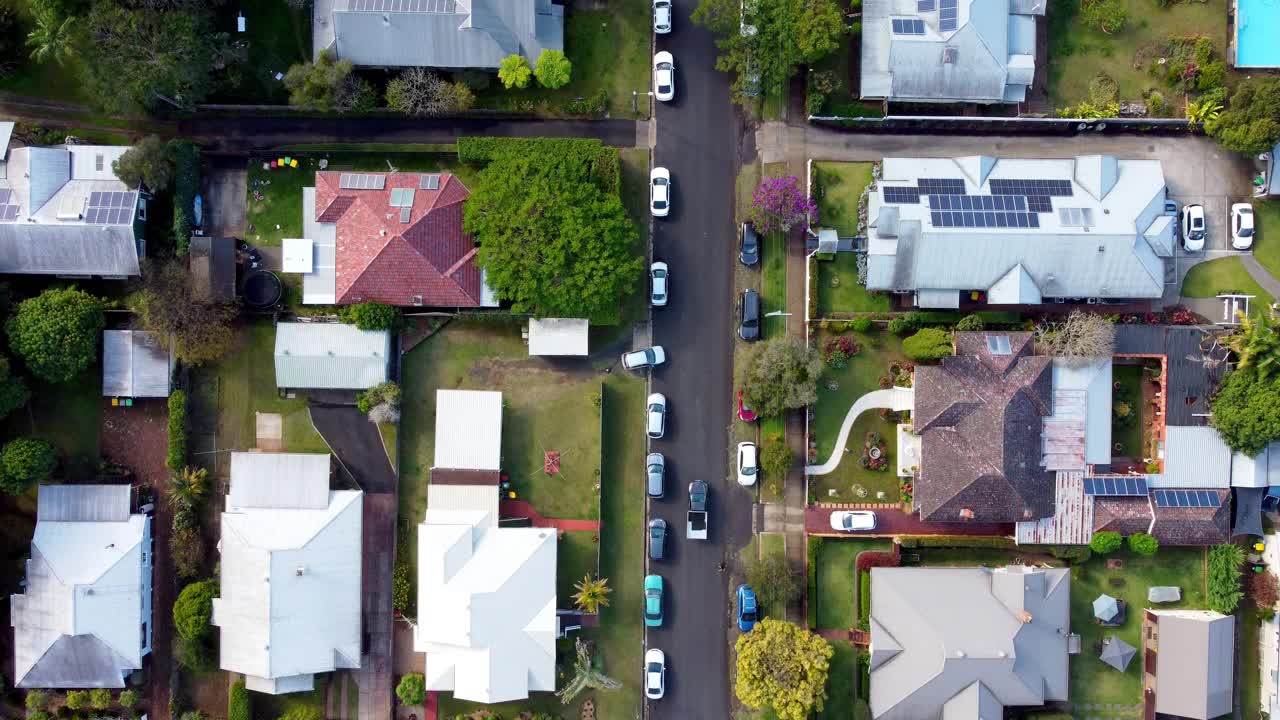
{"x":1017,"y":186}
{"x":995,"y":219}
{"x":977,"y":202}
{"x":1187,"y":498}
{"x":908,"y":26}
{"x":8,"y":205}
{"x":947,"y":15}
{"x":447,"y":7}
{"x":926,"y":5}
{"x":402,"y":197}
{"x":902,"y":195}
{"x":1124,"y":486}
{"x":361,"y":181}
{"x":429,"y":182}
{"x":940,"y":186}
{"x":110,"y":208}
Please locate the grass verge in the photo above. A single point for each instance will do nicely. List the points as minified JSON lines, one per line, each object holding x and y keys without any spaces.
{"x":840,"y":700}
{"x":1266,"y":240}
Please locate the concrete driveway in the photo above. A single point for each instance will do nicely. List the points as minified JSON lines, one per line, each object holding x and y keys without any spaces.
{"x":223,"y":190}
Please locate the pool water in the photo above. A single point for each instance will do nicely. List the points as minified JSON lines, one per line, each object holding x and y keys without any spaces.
{"x":1257,"y":27}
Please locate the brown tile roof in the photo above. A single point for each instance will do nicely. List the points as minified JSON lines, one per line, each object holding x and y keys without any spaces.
{"x":446,"y":476}
{"x":980,"y":418}
{"x":380,"y":258}
{"x":1125,"y":515}
{"x":1194,"y":526}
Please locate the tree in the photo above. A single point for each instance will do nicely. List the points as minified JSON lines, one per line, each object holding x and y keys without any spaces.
{"x":1246,"y":412}
{"x":771,"y":577}
{"x":1107,"y":16}
{"x":593,"y":593}
{"x":24,"y":462}
{"x":56,"y":332}
{"x":927,"y":345}
{"x":585,"y":675}
{"x":1256,"y":343}
{"x":77,"y":699}
{"x":1143,"y":544}
{"x":189,"y":487}
{"x":99,"y":698}
{"x":54,"y":36}
{"x":195,"y":656}
{"x":514,"y":72}
{"x":303,"y":711}
{"x":783,"y":666}
{"x":553,"y":69}
{"x":418,"y":91}
{"x":1105,"y":542}
{"x":239,"y":704}
{"x":1081,"y":336}
{"x":412,"y":689}
{"x":778,"y":374}
{"x":193,"y":610}
{"x":147,"y":162}
{"x":372,"y":315}
{"x":1264,"y":590}
{"x":10,"y":47}
{"x":1251,"y":124}
{"x":196,"y":330}
{"x":1224,"y":577}
{"x":776,"y":457}
{"x":326,"y":84}
{"x":778,"y":203}
{"x":13,"y":389}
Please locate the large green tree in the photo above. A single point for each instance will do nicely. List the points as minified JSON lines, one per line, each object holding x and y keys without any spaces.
{"x":779,"y":374}
{"x":148,"y":163}
{"x":54,"y":36}
{"x":552,"y":242}
{"x":24,"y":462}
{"x":1256,"y":344}
{"x":13,"y":389}
{"x":56,"y":332}
{"x":783,"y":666}
{"x":327,"y":84}
{"x":1246,"y":411}
{"x":1251,"y":124}
{"x":196,"y":330}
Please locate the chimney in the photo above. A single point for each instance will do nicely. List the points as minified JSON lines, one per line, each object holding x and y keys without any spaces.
{"x":966,"y":514}
{"x":1025,"y":617}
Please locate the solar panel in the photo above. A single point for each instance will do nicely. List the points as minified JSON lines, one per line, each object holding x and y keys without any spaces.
{"x":1028,"y":186}
{"x":1039,"y":203}
{"x":361,"y":181}
{"x":977,"y":202}
{"x":984,"y":219}
{"x":402,"y":197}
{"x":1187,"y":498}
{"x":1119,"y":486}
{"x":448,"y":7}
{"x":429,"y":182}
{"x":5,"y":195}
{"x":10,"y":213}
{"x":908,"y":26}
{"x":940,"y":186}
{"x":899,"y":195}
{"x":110,"y":208}
{"x":925,"y":5}
{"x":947,"y":15}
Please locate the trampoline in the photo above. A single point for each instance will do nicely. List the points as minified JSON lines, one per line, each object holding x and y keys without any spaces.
{"x":261,"y":288}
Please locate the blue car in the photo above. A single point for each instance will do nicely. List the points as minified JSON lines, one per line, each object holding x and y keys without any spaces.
{"x":747,"y":612}
{"x":653,"y":600}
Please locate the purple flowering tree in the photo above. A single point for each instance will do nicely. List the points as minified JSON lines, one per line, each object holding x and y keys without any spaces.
{"x":779,"y":204}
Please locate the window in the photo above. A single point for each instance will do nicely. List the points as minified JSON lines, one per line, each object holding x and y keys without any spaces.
{"x":998,"y":345}
{"x":908,"y":26}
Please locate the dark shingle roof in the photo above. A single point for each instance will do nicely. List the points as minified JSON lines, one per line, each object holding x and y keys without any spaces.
{"x":1194,"y":526}
{"x":1190,"y":383}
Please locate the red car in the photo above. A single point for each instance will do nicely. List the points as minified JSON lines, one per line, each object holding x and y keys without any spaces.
{"x":745,"y":414}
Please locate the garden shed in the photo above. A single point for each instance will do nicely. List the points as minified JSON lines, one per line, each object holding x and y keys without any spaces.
{"x":134,"y":365}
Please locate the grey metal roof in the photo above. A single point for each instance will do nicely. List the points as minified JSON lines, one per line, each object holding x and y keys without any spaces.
{"x":48,"y":169}
{"x":1194,"y":663}
{"x":336,"y":356}
{"x":1248,"y":509}
{"x":78,"y":661}
{"x":465,"y":34}
{"x":83,"y":503}
{"x":68,"y":249}
{"x":1194,"y":457}
{"x":1191,"y":382}
{"x":134,"y":365}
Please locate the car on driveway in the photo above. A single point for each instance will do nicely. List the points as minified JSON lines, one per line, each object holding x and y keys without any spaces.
{"x":749,"y":316}
{"x":661,"y":16}
{"x":656,"y":465}
{"x":1242,"y":226}
{"x":749,"y":249}
{"x":747,"y":610}
{"x":655,"y":674}
{"x":659,"y":277}
{"x":664,"y":76}
{"x":657,"y":539}
{"x":656,"y":421}
{"x":853,"y":520}
{"x":745,"y":414}
{"x":659,"y":192}
{"x":648,"y":357}
{"x":653,"y":600}
{"x":1193,"y":228}
{"x":747,"y":463}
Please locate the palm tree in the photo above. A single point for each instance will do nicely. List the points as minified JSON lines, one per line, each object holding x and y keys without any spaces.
{"x":189,"y":487}
{"x":53,"y":37}
{"x":585,"y":675}
{"x":592,"y":594}
{"x":1257,"y":344}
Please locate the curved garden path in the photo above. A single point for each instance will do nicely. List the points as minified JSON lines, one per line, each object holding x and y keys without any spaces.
{"x":895,"y":399}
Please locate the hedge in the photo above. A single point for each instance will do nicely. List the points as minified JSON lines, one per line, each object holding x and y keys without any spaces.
{"x":186,"y":183}
{"x":864,"y":599}
{"x":814,"y":544}
{"x":177,"y":458}
{"x":591,"y":158}
{"x":239,"y":704}
{"x":956,"y":541}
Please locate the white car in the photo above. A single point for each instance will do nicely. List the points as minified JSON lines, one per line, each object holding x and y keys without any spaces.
{"x":662,"y":16}
{"x":664,"y":76}
{"x":655,"y":674}
{"x":747,"y":464}
{"x":1242,"y":226}
{"x":659,"y":275}
{"x":1193,"y":228}
{"x":659,"y":192}
{"x":648,"y":357}
{"x":853,"y":520}
{"x":656,"y":420}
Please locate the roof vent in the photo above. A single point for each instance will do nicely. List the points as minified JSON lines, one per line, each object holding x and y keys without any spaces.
{"x":1102,"y":248}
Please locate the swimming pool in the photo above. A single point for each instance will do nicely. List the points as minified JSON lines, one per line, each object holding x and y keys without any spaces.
{"x":1257,"y":26}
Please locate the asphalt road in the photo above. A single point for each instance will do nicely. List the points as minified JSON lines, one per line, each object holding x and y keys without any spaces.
{"x":696,"y":141}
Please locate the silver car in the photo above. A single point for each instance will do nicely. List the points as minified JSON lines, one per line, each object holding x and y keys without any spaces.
{"x":648,"y":357}
{"x":659,"y":280}
{"x":656,"y":466}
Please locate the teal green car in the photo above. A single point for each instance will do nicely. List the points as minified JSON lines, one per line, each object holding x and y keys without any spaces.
{"x":653,"y":600}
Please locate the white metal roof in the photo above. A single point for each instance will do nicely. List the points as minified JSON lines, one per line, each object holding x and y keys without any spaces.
{"x":1194,"y":457}
{"x":279,"y":480}
{"x":335,"y":356}
{"x":320,"y":285}
{"x":134,"y":365}
{"x":298,"y":255}
{"x":558,"y":336}
{"x":468,"y":429}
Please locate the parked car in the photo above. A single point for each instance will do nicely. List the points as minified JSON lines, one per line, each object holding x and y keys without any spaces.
{"x":664,"y":76}
{"x":661,"y":16}
{"x":655,"y":674}
{"x":853,"y":520}
{"x":745,"y":414}
{"x":659,"y":192}
{"x":656,"y":423}
{"x":648,"y":357}
{"x":657,"y":539}
{"x":747,"y":463}
{"x":1193,"y":228}
{"x":659,"y":276}
{"x":1242,"y":226}
{"x":747,"y":611}
{"x":749,"y":316}
{"x":653,"y":600}
{"x":696,"y":520}
{"x":749,"y":251}
{"x":656,"y":465}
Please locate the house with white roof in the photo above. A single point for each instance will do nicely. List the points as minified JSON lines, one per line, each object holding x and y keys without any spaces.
{"x":84,"y":617}
{"x":330,"y":356}
{"x":1018,"y":231}
{"x":290,"y":572}
{"x":486,"y":594}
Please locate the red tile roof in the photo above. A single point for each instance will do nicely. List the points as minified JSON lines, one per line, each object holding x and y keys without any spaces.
{"x":380,"y":258}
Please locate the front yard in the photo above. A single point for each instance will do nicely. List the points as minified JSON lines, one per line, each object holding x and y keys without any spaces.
{"x":839,"y":290}
{"x":1224,"y":275}
{"x":838,"y":188}
{"x":832,"y":599}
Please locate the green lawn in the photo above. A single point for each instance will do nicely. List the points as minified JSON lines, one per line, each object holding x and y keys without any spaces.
{"x":833,"y":603}
{"x":774,"y":102}
{"x":966,"y":557}
{"x":879,"y":350}
{"x":840,"y":700}
{"x":576,"y":553}
{"x":1227,"y":274}
{"x":1092,"y":682}
{"x":772,"y":488}
{"x":839,"y":290}
{"x":1077,"y":53}
{"x":838,"y":186}
{"x":774,"y":291}
{"x":1249,"y":672}
{"x":773,"y":544}
{"x":1128,"y":432}
{"x":274,"y":706}
{"x":67,"y":414}
{"x":1266,"y":217}
{"x":277,"y":36}
{"x":388,"y":431}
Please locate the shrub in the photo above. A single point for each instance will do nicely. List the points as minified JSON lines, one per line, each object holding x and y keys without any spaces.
{"x":1105,"y":542}
{"x":186,"y":183}
{"x":387,"y":392}
{"x":194,"y":655}
{"x":372,"y":315}
{"x":1203,"y":51}
{"x":412,"y":689}
{"x":1075,"y":554}
{"x":1211,"y":76}
{"x":128,"y":699}
{"x":1143,"y":544}
{"x":37,"y":700}
{"x":776,"y":458}
{"x":860,"y":324}
{"x":970,"y":323}
{"x":239,"y":704}
{"x":37,"y":715}
{"x":552,"y":69}
{"x":1103,"y":90}
{"x":99,"y":698}
{"x":194,"y":609}
{"x":24,"y":462}
{"x":1157,"y":106}
{"x":594,"y":104}
{"x":514,"y":72}
{"x":1224,"y":577}
{"x":836,"y":351}
{"x":1264,"y":589}
{"x":77,"y":699}
{"x":177,"y":456}
{"x":56,"y":332}
{"x":928,"y":344}
{"x":402,"y":588}
{"x":186,"y":545}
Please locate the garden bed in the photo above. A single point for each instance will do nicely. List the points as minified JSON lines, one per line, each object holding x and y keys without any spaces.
{"x":1128,"y":412}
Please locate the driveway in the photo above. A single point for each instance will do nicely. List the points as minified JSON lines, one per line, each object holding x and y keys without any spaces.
{"x":357,"y":444}
{"x":223,"y":190}
{"x":892,"y":521}
{"x":696,"y":141}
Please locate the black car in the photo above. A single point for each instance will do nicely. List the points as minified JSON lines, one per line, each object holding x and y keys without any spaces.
{"x":749,"y":254}
{"x":749,"y":326}
{"x":657,"y":539}
{"x":698,"y":495}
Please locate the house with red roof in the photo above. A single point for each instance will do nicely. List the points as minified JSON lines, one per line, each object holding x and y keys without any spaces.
{"x":395,"y":238}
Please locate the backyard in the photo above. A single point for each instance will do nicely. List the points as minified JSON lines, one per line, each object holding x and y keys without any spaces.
{"x":277,"y":36}
{"x":1128,"y":429}
{"x":837,"y":391}
{"x":1208,"y":279}
{"x":838,"y":80}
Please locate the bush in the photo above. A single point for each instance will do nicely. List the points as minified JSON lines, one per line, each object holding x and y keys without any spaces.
{"x":186,"y":545}
{"x":928,"y":344}
{"x":402,"y":588}
{"x":1203,"y":51}
{"x":1075,"y":554}
{"x":1105,"y":542}
{"x":904,"y":324}
{"x":186,"y":183}
{"x":553,"y":70}
{"x":1143,"y":544}
{"x":776,"y":458}
{"x":99,"y":698}
{"x":77,"y":699}
{"x":1157,"y":106}
{"x":594,"y":104}
{"x":1211,"y":76}
{"x":412,"y":689}
{"x":24,"y":462}
{"x":970,"y":323}
{"x":57,"y":332}
{"x":860,"y":324}
{"x":37,"y":715}
{"x":177,"y":456}
{"x":372,"y":315}
{"x":387,"y":392}
{"x":239,"y":704}
{"x":1264,"y":589}
{"x":193,"y":609}
{"x":194,"y":655}
{"x":37,"y":700}
{"x":1224,"y":578}
{"x":514,"y":72}
{"x":1103,"y":90}
{"x":582,"y":158}
{"x":128,"y":699}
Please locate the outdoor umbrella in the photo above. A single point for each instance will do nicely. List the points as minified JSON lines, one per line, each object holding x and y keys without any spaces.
{"x":1105,"y":608}
{"x":1117,"y":653}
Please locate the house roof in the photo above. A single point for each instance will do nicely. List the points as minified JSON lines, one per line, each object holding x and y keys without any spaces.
{"x":1194,"y":526}
{"x":1078,"y":431}
{"x":468,"y":429}
{"x":319,"y":287}
{"x":1191,"y":381}
{"x":558,"y":336}
{"x":1194,"y":663}
{"x":1194,"y":457}
{"x":1125,"y":515}
{"x":290,"y":597}
{"x":134,"y":365}
{"x":412,"y":253}
{"x":77,"y":623}
{"x":979,"y":417}
{"x":949,"y":642}
{"x":213,"y":268}
{"x":443,"y":33}
{"x":330,"y":356}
